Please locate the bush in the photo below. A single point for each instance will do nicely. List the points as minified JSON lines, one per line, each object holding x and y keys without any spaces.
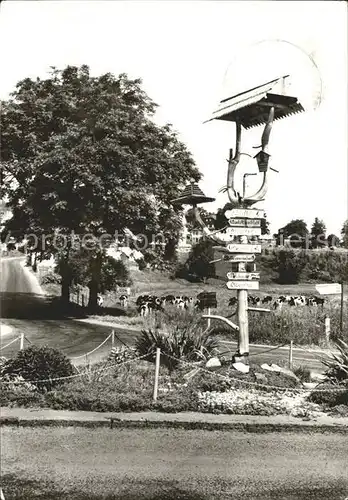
{"x":330,"y":398}
{"x":289,"y":265}
{"x":198,"y":264}
{"x":51,"y":278}
{"x":337,"y":364}
{"x":182,"y":343}
{"x":39,"y":363}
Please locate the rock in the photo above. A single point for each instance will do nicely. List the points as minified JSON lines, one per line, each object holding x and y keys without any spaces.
{"x":310,"y":385}
{"x":317,"y":377}
{"x":241,"y":367}
{"x":279,"y":369}
{"x":213,"y":363}
{"x":261,"y":377}
{"x":267,"y":367}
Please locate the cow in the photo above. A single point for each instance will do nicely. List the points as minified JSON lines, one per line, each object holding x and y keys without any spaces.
{"x":267,"y":300}
{"x":299,"y":300}
{"x":100,"y":300}
{"x":233,"y":301}
{"x":124,"y":300}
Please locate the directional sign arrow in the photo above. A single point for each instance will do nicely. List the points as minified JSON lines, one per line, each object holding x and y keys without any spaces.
{"x":239,"y":257}
{"x":242,"y":285}
{"x":243,"y":248}
{"x":243,"y":276}
{"x":245,"y":212}
{"x":244,"y":222}
{"x":243,"y":231}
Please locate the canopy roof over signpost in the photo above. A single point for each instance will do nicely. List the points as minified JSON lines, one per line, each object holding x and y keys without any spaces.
{"x":251,"y":108}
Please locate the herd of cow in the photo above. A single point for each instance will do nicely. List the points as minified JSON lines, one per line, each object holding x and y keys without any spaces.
{"x":150,"y":303}
{"x":278,"y":303}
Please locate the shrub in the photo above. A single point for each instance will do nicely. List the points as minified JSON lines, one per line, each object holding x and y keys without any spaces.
{"x":337,"y":364}
{"x":39,"y":363}
{"x":198,"y":263}
{"x":330,"y":398}
{"x":16,"y":393}
{"x":51,"y":278}
{"x":289,"y":265}
{"x":182,"y":343}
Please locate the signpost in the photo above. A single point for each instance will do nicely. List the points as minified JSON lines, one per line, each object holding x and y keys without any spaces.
{"x":243,"y":276}
{"x":239,"y":257}
{"x":242,"y":248}
{"x":244,"y":231}
{"x":329,"y":289}
{"x":333,"y":289}
{"x":244,"y":222}
{"x":242,"y":285}
{"x":249,"y":213}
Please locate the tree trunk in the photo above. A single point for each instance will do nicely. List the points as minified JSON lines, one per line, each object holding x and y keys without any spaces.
{"x":65,"y":290}
{"x":93,"y":293}
{"x":94,"y":284}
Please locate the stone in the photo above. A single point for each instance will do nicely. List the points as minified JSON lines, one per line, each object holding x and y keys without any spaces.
{"x":317,"y":377}
{"x":261,"y":377}
{"x":241,"y":367}
{"x":213,"y":363}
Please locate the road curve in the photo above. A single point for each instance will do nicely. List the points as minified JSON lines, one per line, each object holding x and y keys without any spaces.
{"x":24,"y":308}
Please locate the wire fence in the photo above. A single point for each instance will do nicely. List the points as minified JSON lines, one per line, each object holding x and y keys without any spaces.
{"x":182,"y":361}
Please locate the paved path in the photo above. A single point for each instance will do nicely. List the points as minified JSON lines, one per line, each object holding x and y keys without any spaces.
{"x":172,"y":464}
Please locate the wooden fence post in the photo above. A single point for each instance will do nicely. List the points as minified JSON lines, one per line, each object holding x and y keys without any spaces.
{"x":209,"y":320}
{"x":112,"y":339}
{"x":290,"y":354}
{"x":327,"y":330}
{"x":21,"y":345}
{"x":157,"y":367}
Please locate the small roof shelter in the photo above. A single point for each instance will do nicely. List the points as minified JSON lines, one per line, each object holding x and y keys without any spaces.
{"x":251,"y":108}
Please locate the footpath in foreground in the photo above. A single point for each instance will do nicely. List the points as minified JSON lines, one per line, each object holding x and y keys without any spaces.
{"x":185,"y":420}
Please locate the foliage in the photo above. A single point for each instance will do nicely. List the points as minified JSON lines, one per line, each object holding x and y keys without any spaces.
{"x":296,"y":230}
{"x":327,"y":395}
{"x":318,"y":230}
{"x":265,"y":225}
{"x":198,"y":263}
{"x":344,"y":234}
{"x":182,"y":343}
{"x":39,"y":363}
{"x":84,"y":156}
{"x":51,"y":278}
{"x":289,"y":265}
{"x":333,"y":240}
{"x":337,"y":364}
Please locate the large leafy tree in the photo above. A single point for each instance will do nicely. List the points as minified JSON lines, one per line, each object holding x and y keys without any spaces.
{"x":296,"y":231}
{"x":82,"y":155}
{"x":318,"y":232}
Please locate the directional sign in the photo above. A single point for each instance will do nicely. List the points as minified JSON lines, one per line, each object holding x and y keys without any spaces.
{"x":243,"y":248}
{"x":243,"y":231}
{"x":243,"y":276}
{"x":239,"y":257}
{"x":245,"y":212}
{"x":242,"y":285}
{"x":329,"y":289}
{"x":244,"y":222}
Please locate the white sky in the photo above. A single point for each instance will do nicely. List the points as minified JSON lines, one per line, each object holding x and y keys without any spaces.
{"x":182,"y":51}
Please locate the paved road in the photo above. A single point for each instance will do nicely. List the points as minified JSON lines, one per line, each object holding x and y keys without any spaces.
{"x":169,"y":464}
{"x":25,"y":309}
